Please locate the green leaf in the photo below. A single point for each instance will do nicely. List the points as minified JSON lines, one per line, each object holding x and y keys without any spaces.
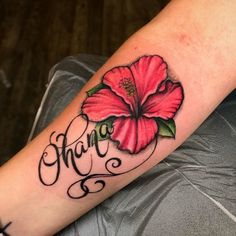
{"x":166,"y":128}
{"x":96,"y":89}
{"x":103,"y":129}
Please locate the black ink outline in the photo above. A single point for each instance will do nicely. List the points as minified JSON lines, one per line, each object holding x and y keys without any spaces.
{"x":3,"y":229}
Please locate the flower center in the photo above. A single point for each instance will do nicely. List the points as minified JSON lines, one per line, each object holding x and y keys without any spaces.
{"x":128,"y":85}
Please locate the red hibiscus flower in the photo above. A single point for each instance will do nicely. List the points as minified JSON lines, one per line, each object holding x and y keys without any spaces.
{"x":136,"y":96}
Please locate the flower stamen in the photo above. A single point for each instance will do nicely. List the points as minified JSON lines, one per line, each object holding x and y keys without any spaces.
{"x":128,"y":85}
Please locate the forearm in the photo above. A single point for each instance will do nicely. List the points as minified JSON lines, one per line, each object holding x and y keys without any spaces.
{"x":197,"y":44}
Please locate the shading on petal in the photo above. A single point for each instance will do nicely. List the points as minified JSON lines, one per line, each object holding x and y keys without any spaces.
{"x":104,"y":104}
{"x":166,"y":103}
{"x":116,"y":79}
{"x":133,"y":134}
{"x":149,"y":72}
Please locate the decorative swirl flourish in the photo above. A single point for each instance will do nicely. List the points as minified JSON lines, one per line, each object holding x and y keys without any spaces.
{"x":98,"y":181}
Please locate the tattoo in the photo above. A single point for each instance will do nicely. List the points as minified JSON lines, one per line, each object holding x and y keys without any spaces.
{"x":3,"y":229}
{"x":130,"y":108}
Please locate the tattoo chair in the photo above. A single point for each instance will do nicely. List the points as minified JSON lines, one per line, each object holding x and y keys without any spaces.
{"x":192,"y":192}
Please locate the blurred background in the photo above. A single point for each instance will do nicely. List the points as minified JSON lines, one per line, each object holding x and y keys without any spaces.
{"x":34,"y":35}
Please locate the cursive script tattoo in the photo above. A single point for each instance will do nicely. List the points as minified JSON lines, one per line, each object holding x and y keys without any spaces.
{"x":61,"y":150}
{"x":130,"y":108}
{"x":4,"y":228}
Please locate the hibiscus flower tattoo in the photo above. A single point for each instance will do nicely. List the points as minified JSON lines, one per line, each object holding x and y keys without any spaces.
{"x":139,"y":102}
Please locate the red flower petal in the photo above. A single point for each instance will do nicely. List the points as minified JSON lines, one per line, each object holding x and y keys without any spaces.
{"x":149,"y":72}
{"x":134,"y":134}
{"x":165,"y":103}
{"x":104,"y":104}
{"x":116,"y":78}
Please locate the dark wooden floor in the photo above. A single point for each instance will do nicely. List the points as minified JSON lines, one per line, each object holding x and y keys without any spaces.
{"x":34,"y":35}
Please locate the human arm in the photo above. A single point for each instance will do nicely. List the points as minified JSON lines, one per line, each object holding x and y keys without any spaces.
{"x":203,"y":66}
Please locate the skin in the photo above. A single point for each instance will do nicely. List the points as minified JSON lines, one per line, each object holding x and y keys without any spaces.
{"x":197,"y":40}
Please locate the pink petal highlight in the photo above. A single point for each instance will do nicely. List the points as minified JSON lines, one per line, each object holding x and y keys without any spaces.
{"x":114,"y":78}
{"x":133,"y":134}
{"x":104,"y":104}
{"x":164,"y":104}
{"x":149,"y":72}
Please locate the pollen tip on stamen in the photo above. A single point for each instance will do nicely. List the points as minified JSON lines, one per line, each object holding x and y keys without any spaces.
{"x":128,"y":86}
